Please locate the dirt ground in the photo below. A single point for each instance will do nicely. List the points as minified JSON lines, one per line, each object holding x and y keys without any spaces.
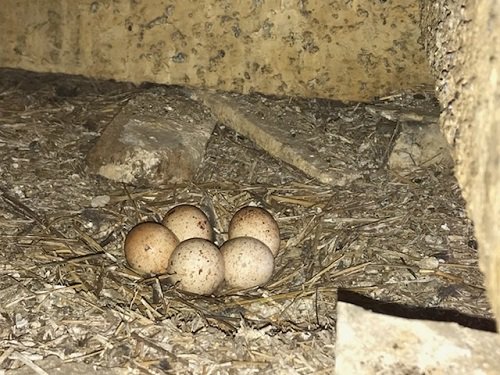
{"x":67,"y":297}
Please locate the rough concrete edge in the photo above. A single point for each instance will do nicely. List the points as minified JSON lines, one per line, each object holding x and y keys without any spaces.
{"x":477,"y":175}
{"x":357,"y":330}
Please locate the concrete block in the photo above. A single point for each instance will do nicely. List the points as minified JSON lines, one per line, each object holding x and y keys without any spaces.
{"x":462,"y":40}
{"x":349,"y":50}
{"x":370,"y":343}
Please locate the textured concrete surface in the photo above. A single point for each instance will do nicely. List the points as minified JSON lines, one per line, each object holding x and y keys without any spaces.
{"x":369,"y":343}
{"x":462,"y":40}
{"x":346,"y":50}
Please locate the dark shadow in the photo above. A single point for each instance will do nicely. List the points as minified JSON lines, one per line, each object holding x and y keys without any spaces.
{"x":413,"y":312}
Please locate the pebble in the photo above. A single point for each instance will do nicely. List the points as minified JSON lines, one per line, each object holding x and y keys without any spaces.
{"x":100,"y":201}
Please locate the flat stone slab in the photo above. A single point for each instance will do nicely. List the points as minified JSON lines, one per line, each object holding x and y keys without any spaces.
{"x":283,"y":135}
{"x":370,"y":343}
{"x":159,"y":136}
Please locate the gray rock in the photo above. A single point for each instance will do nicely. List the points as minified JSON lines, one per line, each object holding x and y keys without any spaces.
{"x":419,"y":144}
{"x":158,"y":137}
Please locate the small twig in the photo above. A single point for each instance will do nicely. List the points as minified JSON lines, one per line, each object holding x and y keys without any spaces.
{"x":134,"y":202}
{"x":390,"y":146}
{"x":84,"y":356}
{"x":20,"y":207}
{"x":350,"y":271}
{"x":28,"y":362}
{"x":77,"y":259}
{"x":316,"y":277}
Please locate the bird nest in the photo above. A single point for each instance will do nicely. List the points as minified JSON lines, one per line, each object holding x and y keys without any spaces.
{"x":69,"y":298}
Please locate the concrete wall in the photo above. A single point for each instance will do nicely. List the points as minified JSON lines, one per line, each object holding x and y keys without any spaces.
{"x":463,"y":44}
{"x":340,"y":49}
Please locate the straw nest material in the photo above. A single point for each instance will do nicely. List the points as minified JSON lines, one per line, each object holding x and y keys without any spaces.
{"x":67,"y":293}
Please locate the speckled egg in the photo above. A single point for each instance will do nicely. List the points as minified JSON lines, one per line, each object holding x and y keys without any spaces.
{"x":148,"y":247}
{"x":187,"y":221}
{"x":248,"y":262}
{"x":197,"y":266}
{"x":257,"y":223}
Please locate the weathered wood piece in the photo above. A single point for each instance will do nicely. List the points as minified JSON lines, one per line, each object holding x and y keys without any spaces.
{"x":274,"y":134}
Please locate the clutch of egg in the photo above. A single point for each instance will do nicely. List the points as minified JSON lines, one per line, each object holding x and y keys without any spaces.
{"x":182,"y":247}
